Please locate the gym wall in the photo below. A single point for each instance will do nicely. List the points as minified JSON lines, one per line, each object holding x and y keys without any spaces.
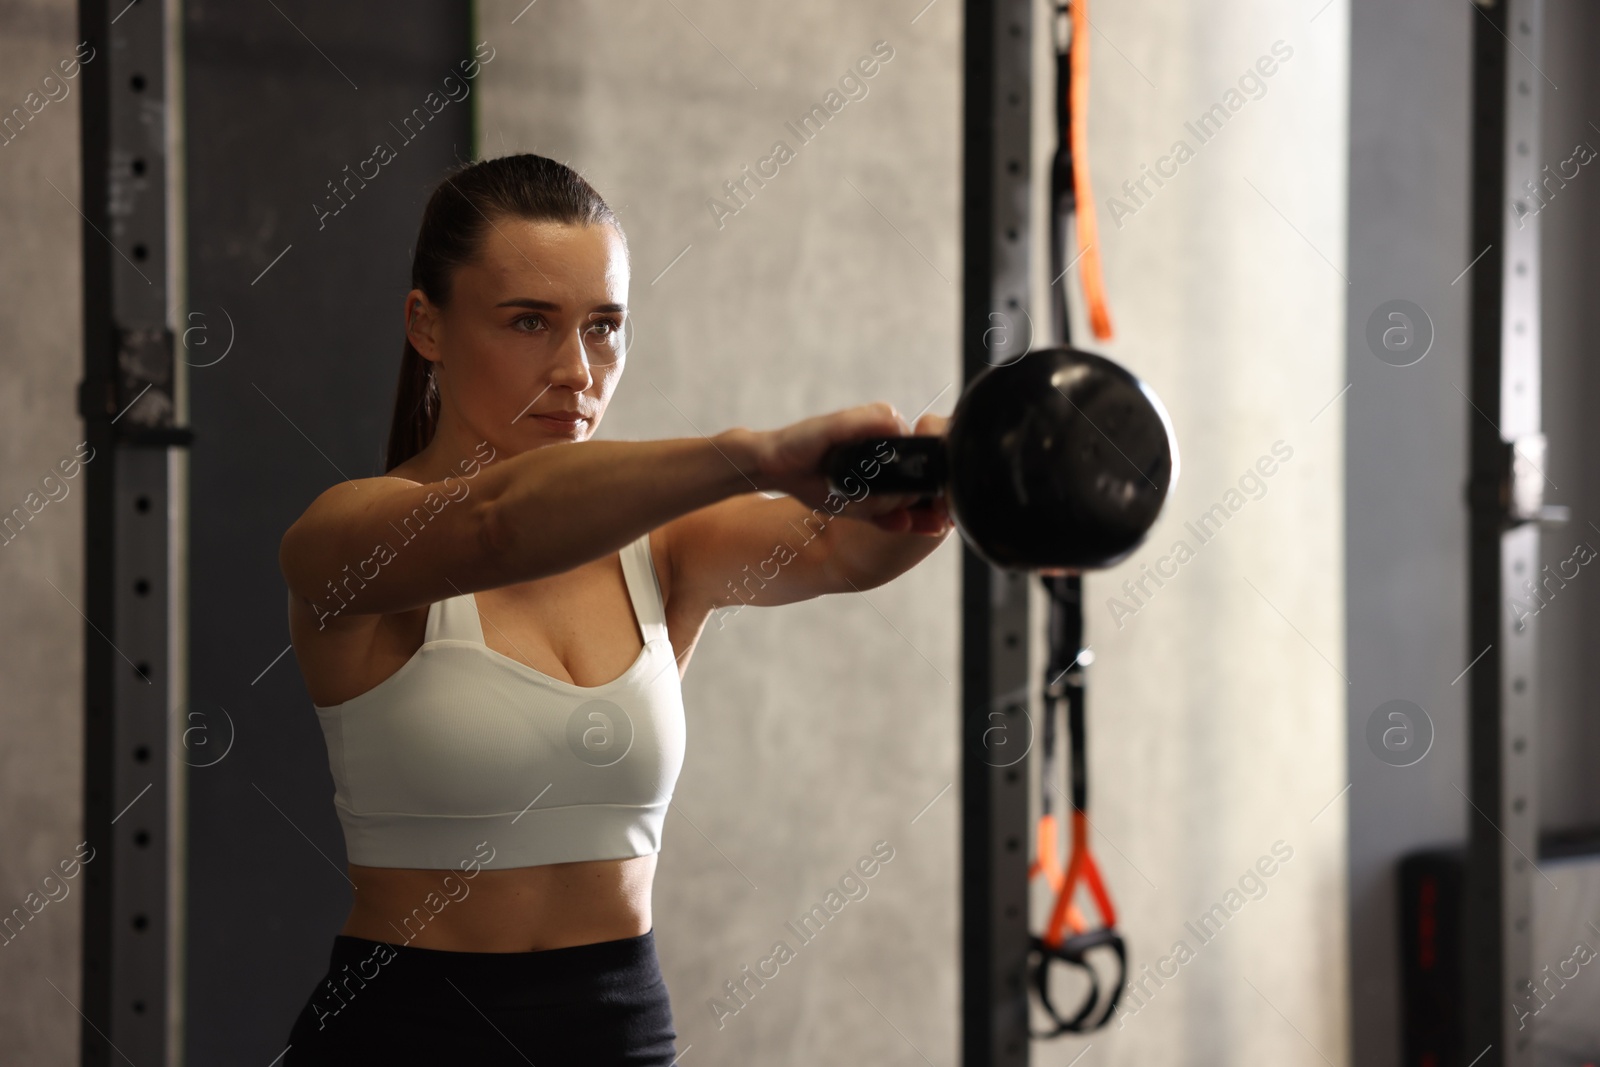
{"x":307,"y":282}
{"x":1407,"y":565}
{"x":1569,"y":803}
{"x":1228,"y":704}
{"x":41,"y":632}
{"x":1217,"y":708}
{"x":820,"y":729}
{"x":1410,"y":128}
{"x":1217,"y":140}
{"x":1568,"y":608}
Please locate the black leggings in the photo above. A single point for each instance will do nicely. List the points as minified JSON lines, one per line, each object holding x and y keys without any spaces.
{"x":594,"y":1005}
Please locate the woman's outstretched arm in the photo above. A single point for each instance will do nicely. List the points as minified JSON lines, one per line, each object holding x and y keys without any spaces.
{"x":761,"y":552}
{"x":388,"y":544}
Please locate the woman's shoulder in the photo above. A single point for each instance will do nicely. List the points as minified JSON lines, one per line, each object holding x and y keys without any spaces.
{"x":343,"y":650}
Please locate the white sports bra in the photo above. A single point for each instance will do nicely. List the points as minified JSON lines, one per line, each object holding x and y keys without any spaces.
{"x":464,"y":746}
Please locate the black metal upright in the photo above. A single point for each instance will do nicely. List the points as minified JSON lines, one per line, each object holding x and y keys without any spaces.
{"x":995,"y":730}
{"x":1506,"y":496}
{"x":128,"y":401}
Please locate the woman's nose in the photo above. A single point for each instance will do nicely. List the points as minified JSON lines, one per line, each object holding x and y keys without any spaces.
{"x":572,"y":364}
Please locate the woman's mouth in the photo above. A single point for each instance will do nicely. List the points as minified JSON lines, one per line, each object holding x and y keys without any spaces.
{"x":565,"y":421}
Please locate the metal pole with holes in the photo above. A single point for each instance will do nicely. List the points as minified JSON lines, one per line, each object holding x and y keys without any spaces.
{"x":1506,"y":503}
{"x":996,"y":734}
{"x":128,"y":401}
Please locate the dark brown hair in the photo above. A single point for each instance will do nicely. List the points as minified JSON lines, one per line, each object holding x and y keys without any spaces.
{"x":453,"y":227}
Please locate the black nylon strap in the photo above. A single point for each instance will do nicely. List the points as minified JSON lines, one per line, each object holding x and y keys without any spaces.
{"x":1064,"y":674}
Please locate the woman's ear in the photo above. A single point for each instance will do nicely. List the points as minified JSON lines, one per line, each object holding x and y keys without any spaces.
{"x":421,"y":324}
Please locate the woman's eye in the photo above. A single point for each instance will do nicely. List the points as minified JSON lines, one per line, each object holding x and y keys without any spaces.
{"x":605,"y":326}
{"x":522,"y":322}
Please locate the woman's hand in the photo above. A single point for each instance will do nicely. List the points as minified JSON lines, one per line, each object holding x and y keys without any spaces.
{"x":916,"y":514}
{"x":909,"y":529}
{"x":789,"y":460}
{"x":709,"y":545}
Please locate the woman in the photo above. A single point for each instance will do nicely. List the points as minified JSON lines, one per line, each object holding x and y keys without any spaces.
{"x":494,"y":632}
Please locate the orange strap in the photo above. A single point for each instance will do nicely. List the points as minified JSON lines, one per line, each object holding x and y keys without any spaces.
{"x":1082,"y":868}
{"x":1045,"y":861}
{"x":1094,"y":286}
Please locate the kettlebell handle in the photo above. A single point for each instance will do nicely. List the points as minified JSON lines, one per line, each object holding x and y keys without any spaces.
{"x":888,"y":465}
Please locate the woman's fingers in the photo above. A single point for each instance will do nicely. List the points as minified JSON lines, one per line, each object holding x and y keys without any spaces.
{"x":908,"y":517}
{"x":789,"y":458}
{"x":873,"y":505}
{"x":935,"y":517}
{"x":897,"y":521}
{"x":932,"y":518}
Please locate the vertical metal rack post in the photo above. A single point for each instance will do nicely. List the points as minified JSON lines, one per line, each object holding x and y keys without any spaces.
{"x":127,"y":401}
{"x":1506,"y":501}
{"x":995,"y":675}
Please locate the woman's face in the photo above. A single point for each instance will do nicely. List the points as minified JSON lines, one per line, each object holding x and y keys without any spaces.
{"x":530,"y":345}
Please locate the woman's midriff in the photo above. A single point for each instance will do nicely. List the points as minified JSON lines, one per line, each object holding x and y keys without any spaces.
{"x":518,"y":909}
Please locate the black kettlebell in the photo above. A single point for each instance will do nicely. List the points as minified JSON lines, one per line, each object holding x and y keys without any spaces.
{"x":1059,"y":460}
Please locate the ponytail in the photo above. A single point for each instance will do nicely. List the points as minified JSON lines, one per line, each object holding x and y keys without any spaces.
{"x":416,"y":408}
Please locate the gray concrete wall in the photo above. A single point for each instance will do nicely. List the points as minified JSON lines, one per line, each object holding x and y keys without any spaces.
{"x":819,"y":729}
{"x":308,"y":291}
{"x":816,"y":731}
{"x":1217,"y":713}
{"x":1565,"y":950}
{"x":1407,"y":429}
{"x":1217,"y":699}
{"x":1565,"y":1029}
{"x":41,"y":632}
{"x":1568,"y":801}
